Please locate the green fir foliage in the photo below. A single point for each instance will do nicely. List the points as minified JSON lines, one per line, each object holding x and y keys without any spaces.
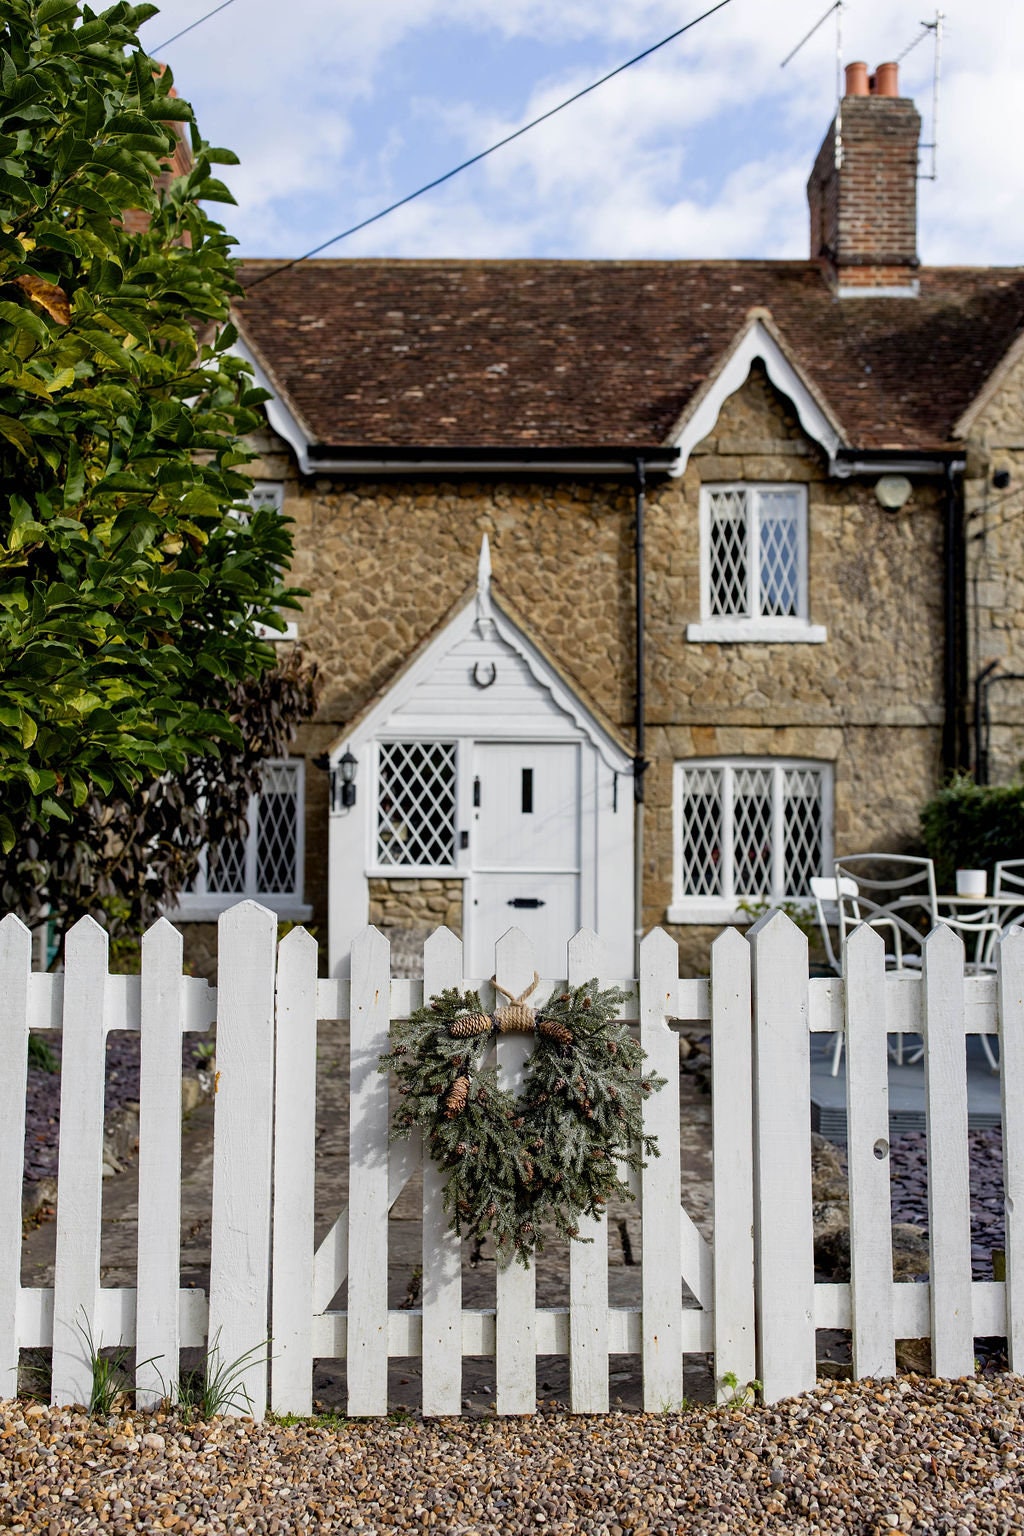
{"x":513,"y":1165}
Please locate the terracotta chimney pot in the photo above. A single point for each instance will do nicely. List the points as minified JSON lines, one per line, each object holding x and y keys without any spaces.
{"x":887,"y":81}
{"x":856,"y":79}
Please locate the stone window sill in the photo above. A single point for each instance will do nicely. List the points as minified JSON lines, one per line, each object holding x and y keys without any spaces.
{"x":758,"y":631}
{"x":415,"y":872}
{"x":207,"y":909}
{"x":706,"y":910}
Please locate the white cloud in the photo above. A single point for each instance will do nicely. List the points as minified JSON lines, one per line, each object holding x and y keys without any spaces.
{"x":704,"y":149}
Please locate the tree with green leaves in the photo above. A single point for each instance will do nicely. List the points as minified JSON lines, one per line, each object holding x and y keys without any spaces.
{"x":133,"y":577}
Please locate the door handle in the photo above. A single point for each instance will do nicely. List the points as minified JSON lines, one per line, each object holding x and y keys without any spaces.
{"x":526,"y":901}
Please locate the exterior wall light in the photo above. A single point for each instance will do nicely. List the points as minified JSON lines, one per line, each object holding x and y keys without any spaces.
{"x":341,"y":780}
{"x":345,"y":771}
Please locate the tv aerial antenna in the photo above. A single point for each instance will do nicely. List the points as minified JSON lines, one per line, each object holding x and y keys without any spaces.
{"x":836,"y":10}
{"x":934,"y":29}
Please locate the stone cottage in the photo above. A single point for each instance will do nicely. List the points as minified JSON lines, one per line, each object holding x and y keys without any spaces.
{"x":639,"y":588}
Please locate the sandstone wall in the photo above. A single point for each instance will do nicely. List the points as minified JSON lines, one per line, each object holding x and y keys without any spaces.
{"x":386,"y":561}
{"x":995,"y":567}
{"x":408,"y":910}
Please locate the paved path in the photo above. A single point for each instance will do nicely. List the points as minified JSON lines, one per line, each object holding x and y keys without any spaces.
{"x":120,"y":1215}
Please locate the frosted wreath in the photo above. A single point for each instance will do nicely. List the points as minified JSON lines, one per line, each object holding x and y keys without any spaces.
{"x":553,"y":1154}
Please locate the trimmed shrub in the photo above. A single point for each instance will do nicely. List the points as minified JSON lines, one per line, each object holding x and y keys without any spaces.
{"x":973,"y":826}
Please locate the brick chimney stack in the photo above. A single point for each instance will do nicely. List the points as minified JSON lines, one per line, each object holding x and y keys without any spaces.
{"x":864,"y":208}
{"x":179,"y":163}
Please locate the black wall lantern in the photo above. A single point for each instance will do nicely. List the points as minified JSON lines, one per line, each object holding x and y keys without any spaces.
{"x":343,"y":782}
{"x":341,"y":779}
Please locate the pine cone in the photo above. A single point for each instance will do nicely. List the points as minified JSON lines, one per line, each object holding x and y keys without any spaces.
{"x":492,"y":1210}
{"x":613,"y":1049}
{"x":560,"y":1085}
{"x":555,"y":1031}
{"x":455,"y":1103}
{"x":470,"y":1024}
{"x":461,"y":1149}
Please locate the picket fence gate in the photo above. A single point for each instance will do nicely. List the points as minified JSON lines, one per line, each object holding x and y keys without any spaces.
{"x":757,"y":1302}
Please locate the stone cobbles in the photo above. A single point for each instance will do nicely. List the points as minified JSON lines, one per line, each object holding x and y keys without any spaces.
{"x":913,"y":1456}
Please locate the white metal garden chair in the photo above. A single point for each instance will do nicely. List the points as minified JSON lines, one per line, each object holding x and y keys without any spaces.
{"x":895,"y":894}
{"x":1008,"y":882}
{"x":826,"y":890}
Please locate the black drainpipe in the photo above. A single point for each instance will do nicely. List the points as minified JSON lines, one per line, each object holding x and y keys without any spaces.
{"x":955,"y":749}
{"x":639,"y":760}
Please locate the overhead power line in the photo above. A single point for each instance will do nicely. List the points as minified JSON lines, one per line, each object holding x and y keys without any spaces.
{"x":475,"y":159}
{"x":190,"y":28}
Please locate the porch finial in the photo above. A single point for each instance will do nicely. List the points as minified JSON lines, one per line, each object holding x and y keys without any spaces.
{"x":484,"y":617}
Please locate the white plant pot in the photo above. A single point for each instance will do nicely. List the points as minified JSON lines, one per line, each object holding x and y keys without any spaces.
{"x":971,"y":882}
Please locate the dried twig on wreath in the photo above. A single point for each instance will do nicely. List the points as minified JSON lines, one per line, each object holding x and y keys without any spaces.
{"x":549,"y":1156}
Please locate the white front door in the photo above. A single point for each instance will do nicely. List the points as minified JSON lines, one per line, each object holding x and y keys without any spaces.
{"x":525,"y":850}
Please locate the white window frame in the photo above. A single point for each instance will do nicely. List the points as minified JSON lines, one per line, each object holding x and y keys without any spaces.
{"x":724,"y":908}
{"x":752,"y":626}
{"x":463,"y":814}
{"x":271,"y":492}
{"x":201,"y":905}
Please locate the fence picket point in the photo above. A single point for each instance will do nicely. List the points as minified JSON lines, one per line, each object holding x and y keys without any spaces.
{"x":294,"y":1155}
{"x":367,"y":1350}
{"x":516,"y":1288}
{"x":732,"y":1120}
{"x":949,"y":1192}
{"x":867,"y":1109}
{"x":442,"y":1249}
{"x":158,"y":1336}
{"x":1011,"y":1075}
{"x":15,"y":984}
{"x":784,"y":1235}
{"x":80,"y":1167}
{"x":242,"y":1148}
{"x":588,"y":1262}
{"x":661,"y":1228}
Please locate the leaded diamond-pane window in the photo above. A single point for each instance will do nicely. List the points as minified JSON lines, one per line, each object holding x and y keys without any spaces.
{"x":268,"y":860}
{"x":416,"y":803}
{"x":225,"y":866}
{"x":751,"y":829}
{"x":802,"y":827}
{"x":729,"y":553}
{"x":277,"y":829}
{"x":755,"y":562}
{"x":701,"y":831}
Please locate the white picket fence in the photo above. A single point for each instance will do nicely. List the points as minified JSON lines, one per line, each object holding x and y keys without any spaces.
{"x":271,"y":1287}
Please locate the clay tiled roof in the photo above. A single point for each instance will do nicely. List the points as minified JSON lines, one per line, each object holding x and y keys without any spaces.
{"x":577,"y":355}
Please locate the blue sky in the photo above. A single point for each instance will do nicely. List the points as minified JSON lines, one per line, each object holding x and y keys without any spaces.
{"x":337,"y":107}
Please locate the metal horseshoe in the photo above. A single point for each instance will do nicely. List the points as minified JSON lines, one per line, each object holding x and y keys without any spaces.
{"x":484,"y":682}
